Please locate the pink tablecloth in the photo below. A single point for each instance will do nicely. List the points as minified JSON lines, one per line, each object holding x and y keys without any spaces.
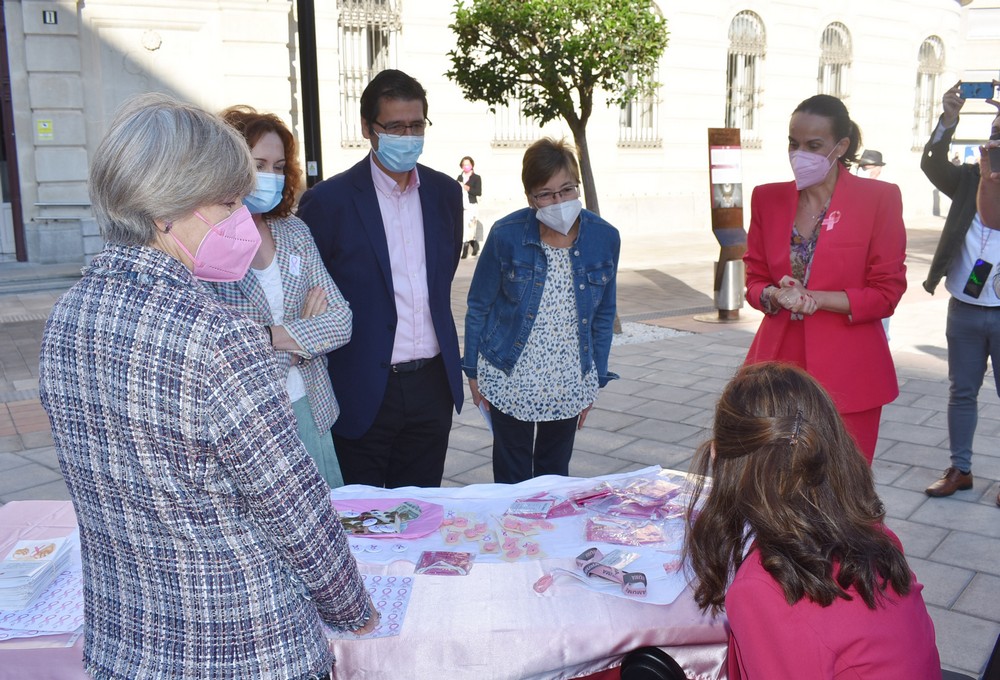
{"x":47,"y":658}
{"x":489,"y":624}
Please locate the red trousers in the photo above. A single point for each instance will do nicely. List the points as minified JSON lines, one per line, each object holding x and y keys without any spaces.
{"x":862,"y":425}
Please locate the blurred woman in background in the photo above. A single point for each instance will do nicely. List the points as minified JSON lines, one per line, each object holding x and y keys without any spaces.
{"x":472,"y":189}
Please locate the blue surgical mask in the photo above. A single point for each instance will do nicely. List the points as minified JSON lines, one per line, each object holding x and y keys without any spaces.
{"x":267,"y":195}
{"x":399,"y":153}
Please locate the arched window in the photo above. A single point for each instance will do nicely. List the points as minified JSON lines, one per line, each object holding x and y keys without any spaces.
{"x":368,"y":33}
{"x":747,"y":45}
{"x":930,"y":60}
{"x":835,"y":60}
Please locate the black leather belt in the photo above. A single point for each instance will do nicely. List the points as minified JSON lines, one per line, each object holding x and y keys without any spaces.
{"x":411,"y":366}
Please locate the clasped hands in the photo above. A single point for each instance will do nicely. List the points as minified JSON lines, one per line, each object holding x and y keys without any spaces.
{"x":790,"y":294}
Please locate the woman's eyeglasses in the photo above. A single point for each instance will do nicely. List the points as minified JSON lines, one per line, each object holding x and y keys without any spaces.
{"x":566,"y":193}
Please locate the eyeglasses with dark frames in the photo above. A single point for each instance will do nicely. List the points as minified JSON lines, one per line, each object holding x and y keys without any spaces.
{"x":546,"y":197}
{"x":399,"y":129}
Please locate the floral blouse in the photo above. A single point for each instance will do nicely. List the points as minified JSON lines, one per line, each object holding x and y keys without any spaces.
{"x":802,"y":251}
{"x":546,"y":383}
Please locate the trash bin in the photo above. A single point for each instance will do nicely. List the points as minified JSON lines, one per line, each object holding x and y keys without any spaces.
{"x":729,"y":296}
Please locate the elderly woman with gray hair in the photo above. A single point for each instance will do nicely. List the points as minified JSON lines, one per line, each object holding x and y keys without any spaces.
{"x":210,"y":549}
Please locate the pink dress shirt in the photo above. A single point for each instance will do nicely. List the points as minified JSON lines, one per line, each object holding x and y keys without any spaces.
{"x":404,"y":233}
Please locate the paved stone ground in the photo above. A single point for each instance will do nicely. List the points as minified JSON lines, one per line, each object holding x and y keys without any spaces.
{"x":659,"y":412}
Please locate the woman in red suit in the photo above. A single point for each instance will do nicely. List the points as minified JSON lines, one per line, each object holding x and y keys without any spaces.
{"x":825,"y":264}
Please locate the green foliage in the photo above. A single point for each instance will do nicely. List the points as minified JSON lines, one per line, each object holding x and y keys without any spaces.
{"x":554,"y":54}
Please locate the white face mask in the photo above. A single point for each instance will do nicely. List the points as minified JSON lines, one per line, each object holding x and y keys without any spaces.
{"x":560,"y":216}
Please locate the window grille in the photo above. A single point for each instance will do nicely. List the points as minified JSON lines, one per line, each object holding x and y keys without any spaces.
{"x":928,"y":93}
{"x":744,"y":91}
{"x":368,"y":33}
{"x":511,"y":128}
{"x":637,"y":121}
{"x":835,"y":59}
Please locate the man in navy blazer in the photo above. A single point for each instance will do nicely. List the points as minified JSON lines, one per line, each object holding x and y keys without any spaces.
{"x":389,"y":232}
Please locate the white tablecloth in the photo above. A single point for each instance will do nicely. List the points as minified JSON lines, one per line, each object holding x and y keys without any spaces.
{"x":488,"y":624}
{"x":491,"y":624}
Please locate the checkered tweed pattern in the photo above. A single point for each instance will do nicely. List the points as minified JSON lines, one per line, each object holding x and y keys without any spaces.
{"x":210,"y":548}
{"x":318,"y":335}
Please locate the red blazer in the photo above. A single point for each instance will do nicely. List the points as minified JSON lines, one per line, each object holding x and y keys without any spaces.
{"x":861,"y":250}
{"x":770,"y":638}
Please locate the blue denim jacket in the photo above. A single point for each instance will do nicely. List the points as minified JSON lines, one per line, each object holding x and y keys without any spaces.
{"x":507,"y":289}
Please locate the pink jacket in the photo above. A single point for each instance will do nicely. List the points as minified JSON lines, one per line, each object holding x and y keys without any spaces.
{"x":773,"y":640}
{"x":861,"y":249}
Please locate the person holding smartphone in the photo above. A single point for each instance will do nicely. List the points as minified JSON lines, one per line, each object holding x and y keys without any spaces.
{"x":967,"y":257}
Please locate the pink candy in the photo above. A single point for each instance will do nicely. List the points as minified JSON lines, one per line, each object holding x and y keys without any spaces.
{"x":542,"y":584}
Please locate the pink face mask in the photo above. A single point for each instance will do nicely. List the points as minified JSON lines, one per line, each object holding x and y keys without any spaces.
{"x":809,"y":168}
{"x":466,"y":169}
{"x":227,"y":249}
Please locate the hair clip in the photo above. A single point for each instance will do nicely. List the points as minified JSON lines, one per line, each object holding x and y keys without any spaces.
{"x":796,"y":428}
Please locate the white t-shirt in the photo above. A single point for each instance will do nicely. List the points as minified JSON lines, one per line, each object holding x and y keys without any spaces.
{"x":270,"y":280}
{"x":981,"y":242}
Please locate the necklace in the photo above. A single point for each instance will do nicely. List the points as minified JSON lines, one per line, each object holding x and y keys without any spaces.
{"x":822,"y":211}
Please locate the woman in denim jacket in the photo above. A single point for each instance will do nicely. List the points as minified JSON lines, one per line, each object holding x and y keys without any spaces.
{"x":541,"y":311}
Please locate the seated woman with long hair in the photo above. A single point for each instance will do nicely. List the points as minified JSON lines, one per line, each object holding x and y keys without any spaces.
{"x":790,"y":542}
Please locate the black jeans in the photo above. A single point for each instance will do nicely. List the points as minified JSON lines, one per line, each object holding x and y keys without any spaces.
{"x":520,"y":453}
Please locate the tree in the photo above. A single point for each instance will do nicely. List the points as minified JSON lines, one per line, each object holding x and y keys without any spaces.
{"x":553,"y":55}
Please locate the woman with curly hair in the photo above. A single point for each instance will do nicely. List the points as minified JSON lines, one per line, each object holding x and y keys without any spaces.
{"x":288,"y":289}
{"x":791,"y":542}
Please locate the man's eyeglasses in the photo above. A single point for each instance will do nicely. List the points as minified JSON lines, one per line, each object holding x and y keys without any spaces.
{"x":399,"y":129}
{"x":547,"y":197}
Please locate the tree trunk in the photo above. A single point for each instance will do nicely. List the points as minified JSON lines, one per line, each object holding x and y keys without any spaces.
{"x":587,"y":172}
{"x":589,"y":187}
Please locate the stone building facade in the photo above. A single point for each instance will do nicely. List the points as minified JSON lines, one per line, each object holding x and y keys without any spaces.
{"x":729,"y":64}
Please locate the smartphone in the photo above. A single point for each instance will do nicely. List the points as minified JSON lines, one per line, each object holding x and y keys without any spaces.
{"x":976,"y":90}
{"x":994,"y":155}
{"x":977,"y":279}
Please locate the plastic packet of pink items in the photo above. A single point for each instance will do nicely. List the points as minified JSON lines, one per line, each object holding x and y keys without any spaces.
{"x":592,"y":495}
{"x":543,"y":506}
{"x":443,"y":563}
{"x":641,"y":498}
{"x":532,"y":508}
{"x":623,"y":532}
